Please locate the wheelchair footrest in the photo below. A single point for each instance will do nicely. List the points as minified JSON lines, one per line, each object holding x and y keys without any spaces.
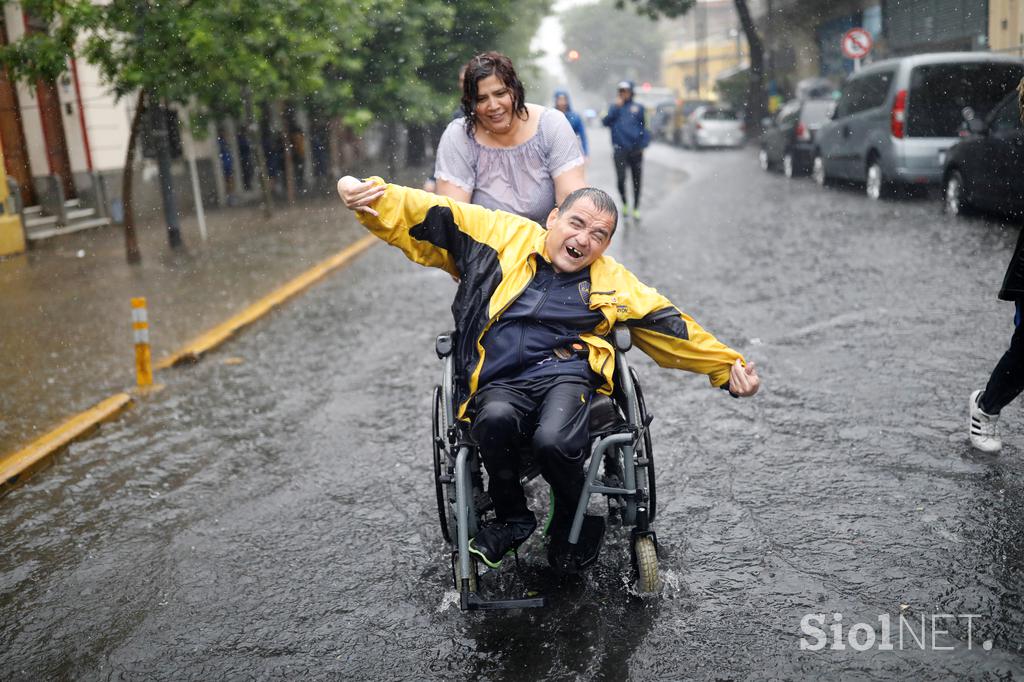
{"x":473,"y":602}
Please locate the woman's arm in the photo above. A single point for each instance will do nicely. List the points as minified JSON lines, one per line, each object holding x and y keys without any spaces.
{"x":568,"y":182}
{"x":451,"y":190}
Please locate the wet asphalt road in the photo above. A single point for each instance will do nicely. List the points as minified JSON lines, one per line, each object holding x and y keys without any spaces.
{"x":275,"y":518}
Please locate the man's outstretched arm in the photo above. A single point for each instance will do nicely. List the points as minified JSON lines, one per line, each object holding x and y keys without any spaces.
{"x":430,"y":229}
{"x":675,"y":340}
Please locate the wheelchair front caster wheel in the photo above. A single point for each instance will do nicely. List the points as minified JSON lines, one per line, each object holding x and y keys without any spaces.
{"x":457,"y":576}
{"x":646,"y":565}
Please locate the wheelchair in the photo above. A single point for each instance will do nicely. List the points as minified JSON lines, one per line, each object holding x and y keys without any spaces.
{"x":621,"y":467}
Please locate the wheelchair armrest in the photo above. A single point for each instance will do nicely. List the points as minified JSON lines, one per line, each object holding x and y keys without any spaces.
{"x":444,"y":344}
{"x":621,"y":338}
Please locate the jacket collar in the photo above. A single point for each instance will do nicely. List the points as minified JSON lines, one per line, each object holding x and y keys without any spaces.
{"x":539,"y":244}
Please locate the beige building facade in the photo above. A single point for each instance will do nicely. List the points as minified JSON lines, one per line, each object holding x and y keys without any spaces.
{"x":1006,"y":26}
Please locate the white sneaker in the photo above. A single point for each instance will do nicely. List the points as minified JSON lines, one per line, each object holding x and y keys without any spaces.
{"x":983,"y":427}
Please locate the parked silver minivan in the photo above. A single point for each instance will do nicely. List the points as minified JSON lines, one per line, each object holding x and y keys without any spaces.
{"x":894,"y":120}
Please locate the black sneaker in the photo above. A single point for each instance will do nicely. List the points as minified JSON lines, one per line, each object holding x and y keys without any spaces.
{"x":571,"y":559}
{"x":495,"y":540}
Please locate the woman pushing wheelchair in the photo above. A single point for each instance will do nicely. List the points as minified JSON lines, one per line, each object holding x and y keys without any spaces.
{"x":533,"y":312}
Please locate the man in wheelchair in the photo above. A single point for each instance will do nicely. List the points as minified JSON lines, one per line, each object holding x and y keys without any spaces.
{"x":532,"y":312}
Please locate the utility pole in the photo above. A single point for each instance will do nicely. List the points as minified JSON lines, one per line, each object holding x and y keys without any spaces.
{"x":702,"y":46}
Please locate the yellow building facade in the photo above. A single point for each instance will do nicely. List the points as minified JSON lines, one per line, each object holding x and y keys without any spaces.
{"x":1006,"y":26}
{"x":690,"y":70}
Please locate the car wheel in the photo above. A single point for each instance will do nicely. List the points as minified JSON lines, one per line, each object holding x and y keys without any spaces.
{"x":875,"y":185}
{"x":788,"y":169}
{"x":953,"y":200}
{"x":818,"y":171}
{"x":762,"y":160}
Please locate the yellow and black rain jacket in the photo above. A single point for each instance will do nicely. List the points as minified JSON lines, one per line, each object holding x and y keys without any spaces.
{"x":493,"y":253}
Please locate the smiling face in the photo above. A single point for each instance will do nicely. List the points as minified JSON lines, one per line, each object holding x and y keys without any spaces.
{"x":578,"y":235}
{"x":494,"y":106}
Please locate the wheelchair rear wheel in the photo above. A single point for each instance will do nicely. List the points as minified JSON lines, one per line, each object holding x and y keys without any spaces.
{"x":646,"y":452}
{"x":444,"y":482}
{"x":647,"y":579}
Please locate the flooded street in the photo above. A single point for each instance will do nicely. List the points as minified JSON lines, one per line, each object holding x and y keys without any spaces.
{"x":271,"y":515}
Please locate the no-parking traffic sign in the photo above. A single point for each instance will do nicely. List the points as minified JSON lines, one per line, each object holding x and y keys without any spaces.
{"x":857,"y":43}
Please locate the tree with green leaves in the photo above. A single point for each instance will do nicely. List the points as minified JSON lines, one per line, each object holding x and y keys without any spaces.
{"x":351,"y":60}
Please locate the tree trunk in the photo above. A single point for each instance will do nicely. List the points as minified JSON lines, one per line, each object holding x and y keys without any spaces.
{"x":288,"y":161}
{"x":415,"y":148}
{"x":391,"y":135}
{"x":131,"y":242}
{"x":256,"y":145}
{"x":757,"y":96}
{"x":158,"y":129}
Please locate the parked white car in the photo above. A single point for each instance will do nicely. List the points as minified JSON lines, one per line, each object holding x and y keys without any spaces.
{"x":714,"y":126}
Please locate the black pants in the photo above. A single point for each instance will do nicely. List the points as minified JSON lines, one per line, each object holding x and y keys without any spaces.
{"x":1007,"y":378}
{"x":634,"y":159}
{"x":551,"y":415}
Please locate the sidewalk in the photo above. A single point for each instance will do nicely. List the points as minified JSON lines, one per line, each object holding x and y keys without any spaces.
{"x":65,"y":315}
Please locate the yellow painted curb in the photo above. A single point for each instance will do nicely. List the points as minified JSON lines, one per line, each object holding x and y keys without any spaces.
{"x":193,"y":350}
{"x":15,"y":467}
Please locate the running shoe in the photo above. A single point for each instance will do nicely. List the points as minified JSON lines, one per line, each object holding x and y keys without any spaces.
{"x":499,"y":538}
{"x":983,"y":427}
{"x":636,"y":214}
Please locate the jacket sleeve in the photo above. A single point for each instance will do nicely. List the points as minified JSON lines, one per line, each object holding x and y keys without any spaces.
{"x":609,"y":118}
{"x":434,"y":230}
{"x":672,"y":338}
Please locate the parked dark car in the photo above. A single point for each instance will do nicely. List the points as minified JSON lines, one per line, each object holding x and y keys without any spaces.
{"x":788,"y":139}
{"x":896,"y":119}
{"x":986,"y":169}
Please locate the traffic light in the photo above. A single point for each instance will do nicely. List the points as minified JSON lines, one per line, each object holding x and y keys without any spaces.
{"x":572,"y":55}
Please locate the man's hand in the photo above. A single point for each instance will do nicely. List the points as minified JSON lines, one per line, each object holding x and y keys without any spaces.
{"x":358,"y":195}
{"x":743,"y":381}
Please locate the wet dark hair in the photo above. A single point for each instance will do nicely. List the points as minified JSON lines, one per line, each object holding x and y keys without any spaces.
{"x":491,"y":64}
{"x":601,"y":200}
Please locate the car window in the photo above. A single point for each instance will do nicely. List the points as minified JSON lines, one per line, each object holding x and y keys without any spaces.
{"x":716,"y":114}
{"x":1006,"y":117}
{"x":852,"y":92}
{"x":866,"y":92}
{"x":939,"y":92}
{"x":876,"y":87}
{"x":816,"y":111}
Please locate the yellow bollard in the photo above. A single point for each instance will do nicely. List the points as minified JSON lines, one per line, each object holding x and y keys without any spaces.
{"x":140,"y":325}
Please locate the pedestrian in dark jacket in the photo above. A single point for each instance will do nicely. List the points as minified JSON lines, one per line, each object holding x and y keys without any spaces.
{"x":1007,"y":378}
{"x":563,"y":104}
{"x":628,"y":122}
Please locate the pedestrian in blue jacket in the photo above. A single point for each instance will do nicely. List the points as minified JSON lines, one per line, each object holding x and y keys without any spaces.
{"x":627,"y":120}
{"x":563,"y":104}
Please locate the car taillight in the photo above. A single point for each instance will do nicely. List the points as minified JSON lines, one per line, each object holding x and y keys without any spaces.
{"x":802,"y":133}
{"x":697,"y":125}
{"x":898,"y":119}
